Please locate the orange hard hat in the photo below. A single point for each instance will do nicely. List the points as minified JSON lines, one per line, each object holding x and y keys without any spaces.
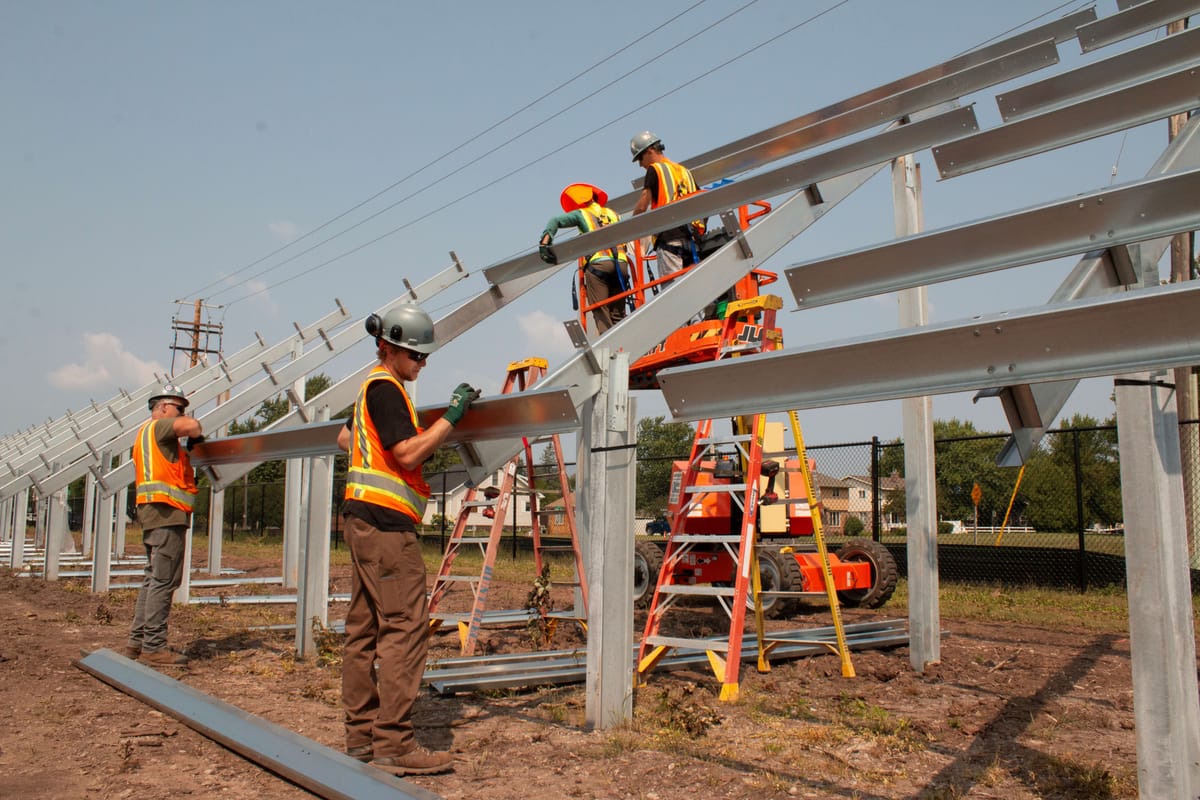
{"x":578,"y":195}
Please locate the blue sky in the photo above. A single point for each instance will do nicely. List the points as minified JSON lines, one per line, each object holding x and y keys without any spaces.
{"x":155,"y":151}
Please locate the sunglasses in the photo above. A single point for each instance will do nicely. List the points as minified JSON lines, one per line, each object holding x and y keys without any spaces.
{"x":414,"y":355}
{"x":177,"y":406}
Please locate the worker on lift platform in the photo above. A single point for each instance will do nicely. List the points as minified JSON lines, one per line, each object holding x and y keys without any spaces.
{"x":665,"y":183}
{"x":605,"y":273}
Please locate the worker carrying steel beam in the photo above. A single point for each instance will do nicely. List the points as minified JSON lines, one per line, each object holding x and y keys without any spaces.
{"x":388,"y":617}
{"x":605,"y":273}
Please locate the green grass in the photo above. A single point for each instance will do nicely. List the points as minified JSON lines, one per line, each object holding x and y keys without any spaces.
{"x":1104,"y":610}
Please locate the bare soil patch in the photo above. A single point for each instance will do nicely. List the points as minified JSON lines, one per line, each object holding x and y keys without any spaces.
{"x":1011,"y":711}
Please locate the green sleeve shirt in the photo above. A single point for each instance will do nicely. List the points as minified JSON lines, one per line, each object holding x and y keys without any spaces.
{"x":573,"y":219}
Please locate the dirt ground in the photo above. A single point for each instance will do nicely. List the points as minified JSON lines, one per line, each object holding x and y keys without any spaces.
{"x":1010,"y":712}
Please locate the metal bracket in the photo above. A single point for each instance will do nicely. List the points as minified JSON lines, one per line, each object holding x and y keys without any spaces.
{"x":298,"y":403}
{"x":1020,"y":406}
{"x":325,"y":338}
{"x":299,"y":330}
{"x":730,"y":221}
{"x":267,"y":369}
{"x":1121,"y":261}
{"x":580,"y":341}
{"x":98,"y":474}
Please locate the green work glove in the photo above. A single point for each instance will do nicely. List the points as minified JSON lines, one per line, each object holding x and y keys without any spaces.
{"x":547,"y":254}
{"x":460,"y":401}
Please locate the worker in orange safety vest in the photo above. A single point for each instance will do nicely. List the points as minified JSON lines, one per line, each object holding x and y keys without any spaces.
{"x":387,"y":622}
{"x":166,"y":493}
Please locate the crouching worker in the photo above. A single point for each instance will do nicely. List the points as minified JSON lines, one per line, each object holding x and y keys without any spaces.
{"x":606,"y":272}
{"x":388,"y":618}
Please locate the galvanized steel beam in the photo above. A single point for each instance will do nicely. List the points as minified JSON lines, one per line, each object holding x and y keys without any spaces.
{"x":1147,"y":328}
{"x":1135,"y":212}
{"x":1144,"y":102}
{"x":1095,"y":274}
{"x":1059,"y":30}
{"x":1132,"y":20}
{"x":319,"y":769}
{"x":1154,"y":60}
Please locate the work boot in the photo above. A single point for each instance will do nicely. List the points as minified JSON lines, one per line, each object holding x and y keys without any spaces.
{"x":418,"y":761}
{"x":132,"y":652}
{"x":363,"y":752}
{"x":164,"y":658}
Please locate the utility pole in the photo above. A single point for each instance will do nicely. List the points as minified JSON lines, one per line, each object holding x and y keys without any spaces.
{"x":195,"y":336}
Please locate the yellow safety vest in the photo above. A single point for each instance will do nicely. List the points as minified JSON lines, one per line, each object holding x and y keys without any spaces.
{"x":374,"y":475}
{"x":159,"y":480}
{"x":676,"y":182}
{"x":597,"y":216}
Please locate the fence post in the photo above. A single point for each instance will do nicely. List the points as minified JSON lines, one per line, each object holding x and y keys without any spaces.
{"x":876,"y":500}
{"x":1081,"y":576}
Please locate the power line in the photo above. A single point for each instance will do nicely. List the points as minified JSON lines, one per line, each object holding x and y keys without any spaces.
{"x":1023,"y":24}
{"x":663,"y":53}
{"x":447,"y":154}
{"x":591,"y":132}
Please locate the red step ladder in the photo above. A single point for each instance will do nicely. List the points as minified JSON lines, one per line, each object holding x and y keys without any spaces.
{"x":494,"y":502}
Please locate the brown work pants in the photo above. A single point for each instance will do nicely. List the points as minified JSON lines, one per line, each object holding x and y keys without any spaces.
{"x":387,"y":621}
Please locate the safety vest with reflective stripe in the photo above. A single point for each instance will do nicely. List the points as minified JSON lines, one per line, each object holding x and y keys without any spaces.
{"x":597,"y":216}
{"x":160,"y":480}
{"x":374,"y":475}
{"x":675,"y":182}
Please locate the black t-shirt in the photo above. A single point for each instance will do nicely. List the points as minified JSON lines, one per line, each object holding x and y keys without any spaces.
{"x":391,"y":414}
{"x":682,"y":233}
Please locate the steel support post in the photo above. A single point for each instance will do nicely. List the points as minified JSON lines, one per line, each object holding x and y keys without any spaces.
{"x":1161,"y":633}
{"x":57,"y":535}
{"x":312,"y":596}
{"x":121,"y":521}
{"x":6,"y":520}
{"x":184,"y":592}
{"x":89,"y":514}
{"x":216,"y":530}
{"x":291,"y":492}
{"x":102,"y":546}
{"x":16,"y":559}
{"x":292,"y":532}
{"x":606,"y":523}
{"x":917,"y":427}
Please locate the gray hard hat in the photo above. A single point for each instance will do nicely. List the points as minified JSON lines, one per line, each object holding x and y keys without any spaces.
{"x":168,"y":391}
{"x":641,"y":143}
{"x":406,"y":325}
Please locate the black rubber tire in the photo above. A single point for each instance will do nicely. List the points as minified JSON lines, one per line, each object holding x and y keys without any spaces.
{"x":883,"y":574}
{"x":647,"y":564}
{"x":778,"y":572}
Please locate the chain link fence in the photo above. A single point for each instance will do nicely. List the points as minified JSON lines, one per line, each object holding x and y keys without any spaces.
{"x":1056,"y":521}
